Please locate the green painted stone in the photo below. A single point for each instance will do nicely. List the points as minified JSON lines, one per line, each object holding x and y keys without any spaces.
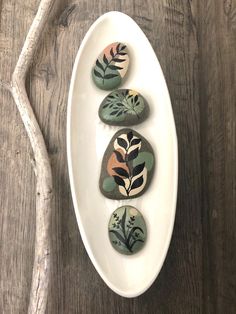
{"x":124,"y":107}
{"x":127,"y":230}
{"x":127,"y":167}
{"x":111,"y":66}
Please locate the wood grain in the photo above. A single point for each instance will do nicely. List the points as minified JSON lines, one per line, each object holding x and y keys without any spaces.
{"x":195,"y":42}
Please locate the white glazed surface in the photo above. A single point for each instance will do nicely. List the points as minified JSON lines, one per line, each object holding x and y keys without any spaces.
{"x":87,"y":139}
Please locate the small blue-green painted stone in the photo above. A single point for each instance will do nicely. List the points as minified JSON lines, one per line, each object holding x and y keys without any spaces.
{"x":111,"y":66}
{"x":127,"y":230}
{"x":123,"y":107}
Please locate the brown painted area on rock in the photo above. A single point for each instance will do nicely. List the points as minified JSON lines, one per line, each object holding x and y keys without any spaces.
{"x":113,"y":162}
{"x":107,"y":50}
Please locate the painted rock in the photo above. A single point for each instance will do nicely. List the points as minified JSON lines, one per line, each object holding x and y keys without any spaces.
{"x":127,"y":230}
{"x":127,"y":166}
{"x":124,"y":107}
{"x":111,"y":66}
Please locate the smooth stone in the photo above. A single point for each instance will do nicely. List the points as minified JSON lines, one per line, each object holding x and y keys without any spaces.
{"x":124,"y":107}
{"x":111,"y":66}
{"x":127,"y":167}
{"x":127,"y":230}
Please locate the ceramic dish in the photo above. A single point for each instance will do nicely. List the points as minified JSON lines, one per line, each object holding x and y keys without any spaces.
{"x":87,"y":139}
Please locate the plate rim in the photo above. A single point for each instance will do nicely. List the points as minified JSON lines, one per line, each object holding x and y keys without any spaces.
{"x":70,"y":169}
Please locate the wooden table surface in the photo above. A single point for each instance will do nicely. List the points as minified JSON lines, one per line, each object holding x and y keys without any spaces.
{"x":195,"y":42}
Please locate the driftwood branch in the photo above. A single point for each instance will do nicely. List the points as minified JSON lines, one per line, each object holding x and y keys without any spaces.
{"x":40,"y":276}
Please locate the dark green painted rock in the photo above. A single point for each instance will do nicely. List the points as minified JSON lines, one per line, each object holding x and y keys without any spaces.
{"x":127,"y":230}
{"x":124,"y":107}
{"x":127,"y":166}
{"x":111,"y":66}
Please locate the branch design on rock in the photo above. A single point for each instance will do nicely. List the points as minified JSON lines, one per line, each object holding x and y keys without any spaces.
{"x":126,"y":234}
{"x":110,"y":62}
{"x":124,"y":102}
{"x":131,"y":180}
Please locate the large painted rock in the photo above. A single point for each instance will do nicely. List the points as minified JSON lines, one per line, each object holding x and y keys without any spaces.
{"x":111,"y":66}
{"x":123,"y":107}
{"x":127,"y":166}
{"x":127,"y":230}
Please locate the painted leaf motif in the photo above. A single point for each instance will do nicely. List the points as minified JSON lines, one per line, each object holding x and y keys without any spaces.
{"x":112,"y":53}
{"x":122,"y":142}
{"x":138,"y":169}
{"x":130,"y":136}
{"x":105,"y":105}
{"x":121,"y":172}
{"x":118,"y":60}
{"x":114,"y":67}
{"x":105,"y":59}
{"x":99,"y":65}
{"x":114,"y":112}
{"x":137,"y":183}
{"x":135,"y":103}
{"x":109,"y":76}
{"x":110,"y":96}
{"x":119,"y":181}
{"x":133,"y":154}
{"x":119,"y":236}
{"x":119,"y":156}
{"x":133,"y":230}
{"x":123,"y":220}
{"x":135,"y":141}
{"x":98,"y":74}
{"x":118,"y":48}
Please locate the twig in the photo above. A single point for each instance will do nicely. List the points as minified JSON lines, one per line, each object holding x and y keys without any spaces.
{"x":40,"y":276}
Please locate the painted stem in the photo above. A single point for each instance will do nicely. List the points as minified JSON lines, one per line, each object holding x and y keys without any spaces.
{"x":41,"y":267}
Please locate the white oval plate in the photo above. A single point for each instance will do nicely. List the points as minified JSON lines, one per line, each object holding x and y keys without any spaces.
{"x":87,"y":139}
